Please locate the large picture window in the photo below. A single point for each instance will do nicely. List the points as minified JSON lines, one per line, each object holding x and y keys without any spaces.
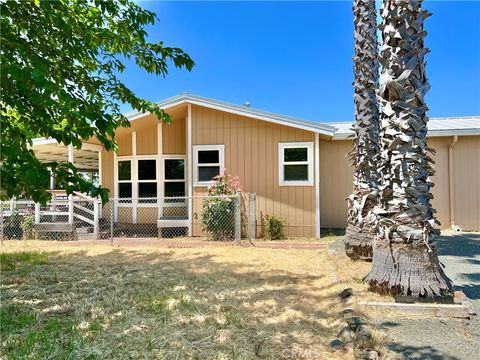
{"x":208,"y":162}
{"x":295,"y":164}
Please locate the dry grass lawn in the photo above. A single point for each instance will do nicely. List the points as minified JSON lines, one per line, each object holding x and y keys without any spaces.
{"x":102,"y":302}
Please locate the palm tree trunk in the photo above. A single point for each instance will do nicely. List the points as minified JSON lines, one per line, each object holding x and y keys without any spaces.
{"x":358,"y":236}
{"x":405,"y":259}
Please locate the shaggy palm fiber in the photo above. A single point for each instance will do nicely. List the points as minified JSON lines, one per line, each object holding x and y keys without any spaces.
{"x":406,"y":270}
{"x":358,"y":242}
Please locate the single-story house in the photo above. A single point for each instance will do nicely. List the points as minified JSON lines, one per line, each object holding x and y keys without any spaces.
{"x":298,"y":169}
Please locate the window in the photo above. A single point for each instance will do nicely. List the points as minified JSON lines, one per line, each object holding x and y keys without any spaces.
{"x":174,"y":181}
{"x":147,"y":179}
{"x":125,"y":179}
{"x":208,"y":162}
{"x":295,"y":164}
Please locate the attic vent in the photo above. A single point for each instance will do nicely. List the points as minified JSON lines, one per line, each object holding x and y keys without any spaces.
{"x":247,"y":104}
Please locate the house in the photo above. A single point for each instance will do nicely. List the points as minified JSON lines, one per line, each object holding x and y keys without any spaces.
{"x":297,"y":168}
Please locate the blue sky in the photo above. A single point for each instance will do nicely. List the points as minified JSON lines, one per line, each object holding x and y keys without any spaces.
{"x":294,"y":58}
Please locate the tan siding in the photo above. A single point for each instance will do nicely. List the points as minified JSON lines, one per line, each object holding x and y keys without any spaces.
{"x":440,"y":191}
{"x":251,"y":148}
{"x":125,"y":144}
{"x":466,"y":167}
{"x":174,"y":137}
{"x":336,"y":181}
{"x":107,"y":172}
{"x":147,"y":141}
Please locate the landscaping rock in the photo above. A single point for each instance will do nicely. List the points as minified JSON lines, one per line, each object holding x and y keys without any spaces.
{"x":347,"y":312}
{"x":346,"y":293}
{"x":336,"y":344}
{"x":363,"y":336}
{"x":354,"y":322}
{"x":346,"y":334}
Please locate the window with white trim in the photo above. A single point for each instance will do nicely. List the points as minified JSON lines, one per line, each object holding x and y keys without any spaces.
{"x":208,"y":162}
{"x":124,"y":179}
{"x":295,"y":164}
{"x":174,"y":178}
{"x":147,"y":178}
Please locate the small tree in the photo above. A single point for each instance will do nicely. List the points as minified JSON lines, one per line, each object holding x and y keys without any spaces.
{"x":218,"y":209}
{"x":60,"y":67}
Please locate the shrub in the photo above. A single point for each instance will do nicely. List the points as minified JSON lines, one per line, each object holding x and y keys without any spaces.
{"x":12,"y":228}
{"x":28,"y":227}
{"x":218,"y":208}
{"x":274,"y":227}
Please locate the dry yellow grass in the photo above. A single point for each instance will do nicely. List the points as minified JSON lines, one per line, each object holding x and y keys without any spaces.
{"x":208,"y":303}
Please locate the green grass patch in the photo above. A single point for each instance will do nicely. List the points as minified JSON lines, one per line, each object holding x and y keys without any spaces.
{"x":14,"y":261}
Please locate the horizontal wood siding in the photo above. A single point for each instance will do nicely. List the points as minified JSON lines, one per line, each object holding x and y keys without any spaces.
{"x":251,"y":152}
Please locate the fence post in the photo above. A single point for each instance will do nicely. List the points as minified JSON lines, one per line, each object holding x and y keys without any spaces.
{"x":238,"y":218}
{"x":112,"y":218}
{"x":37,"y":213}
{"x":252,"y":221}
{"x":95,"y":219}
{"x":70,"y":209}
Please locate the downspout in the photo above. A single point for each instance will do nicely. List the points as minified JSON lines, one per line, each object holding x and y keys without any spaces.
{"x":451,"y":187}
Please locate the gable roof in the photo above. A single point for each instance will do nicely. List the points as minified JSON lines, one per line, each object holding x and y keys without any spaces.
{"x":447,"y":126}
{"x":321,"y":128}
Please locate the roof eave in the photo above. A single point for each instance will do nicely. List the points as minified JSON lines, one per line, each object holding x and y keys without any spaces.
{"x":254,"y":113}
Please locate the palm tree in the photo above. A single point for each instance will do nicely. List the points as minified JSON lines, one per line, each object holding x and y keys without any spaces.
{"x":405,"y":259}
{"x":358,"y":237}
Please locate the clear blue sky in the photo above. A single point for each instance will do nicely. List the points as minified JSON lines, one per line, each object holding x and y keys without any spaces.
{"x":295,"y":58}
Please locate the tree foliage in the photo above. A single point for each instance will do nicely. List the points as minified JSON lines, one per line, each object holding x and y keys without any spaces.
{"x":61,"y":63}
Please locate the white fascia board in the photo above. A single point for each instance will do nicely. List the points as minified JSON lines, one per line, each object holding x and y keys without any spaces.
{"x":50,"y":141}
{"x":239,"y":110}
{"x":43,"y":141}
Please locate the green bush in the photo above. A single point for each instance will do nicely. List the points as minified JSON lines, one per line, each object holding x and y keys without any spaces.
{"x":28,"y":227}
{"x":274,"y":227}
{"x":218,"y":209}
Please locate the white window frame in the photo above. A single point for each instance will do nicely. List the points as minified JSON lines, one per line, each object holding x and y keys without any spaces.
{"x":138,"y":181}
{"x":196,"y":165}
{"x":135,"y":182}
{"x":124,"y":201}
{"x":164,"y":181}
{"x":309,"y":163}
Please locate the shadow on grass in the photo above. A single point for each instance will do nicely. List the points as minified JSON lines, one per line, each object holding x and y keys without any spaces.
{"x":245,"y":310}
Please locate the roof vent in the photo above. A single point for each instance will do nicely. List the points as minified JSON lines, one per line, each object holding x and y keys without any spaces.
{"x":247,"y":104}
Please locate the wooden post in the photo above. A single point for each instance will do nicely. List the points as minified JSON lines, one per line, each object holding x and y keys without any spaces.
{"x":252,"y":221}
{"x":238,"y":220}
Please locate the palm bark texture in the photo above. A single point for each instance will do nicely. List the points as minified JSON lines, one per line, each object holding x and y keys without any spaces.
{"x":405,"y":259}
{"x":359,"y":236}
